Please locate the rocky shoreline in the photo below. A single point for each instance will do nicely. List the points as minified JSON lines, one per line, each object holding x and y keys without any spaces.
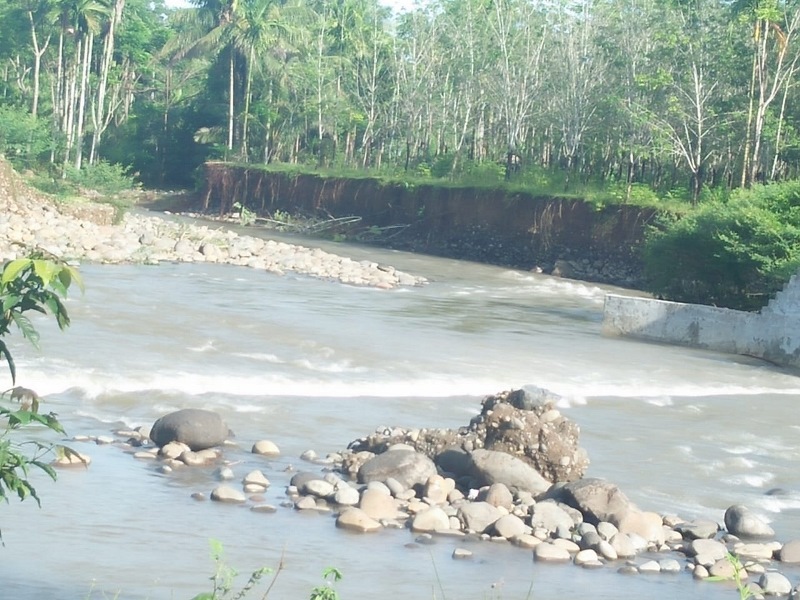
{"x":85,"y":232}
{"x":514,"y":474}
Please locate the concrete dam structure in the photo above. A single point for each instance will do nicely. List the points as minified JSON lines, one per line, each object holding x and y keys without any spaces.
{"x":772,"y":334}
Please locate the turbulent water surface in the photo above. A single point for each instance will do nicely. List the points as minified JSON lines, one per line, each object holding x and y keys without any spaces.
{"x":314,"y":364}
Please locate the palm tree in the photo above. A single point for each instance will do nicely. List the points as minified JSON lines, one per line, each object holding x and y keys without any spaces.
{"x":257,"y":28}
{"x":80,"y":20}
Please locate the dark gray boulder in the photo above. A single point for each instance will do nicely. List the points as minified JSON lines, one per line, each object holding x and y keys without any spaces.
{"x":742,"y":522}
{"x":408,"y":467}
{"x":489,"y":467}
{"x":454,"y":460}
{"x":197,"y":428}
{"x":597,"y":499}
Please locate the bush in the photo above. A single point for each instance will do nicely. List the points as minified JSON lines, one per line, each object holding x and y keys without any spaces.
{"x":23,"y":137}
{"x":734,"y":254}
{"x":103,"y":177}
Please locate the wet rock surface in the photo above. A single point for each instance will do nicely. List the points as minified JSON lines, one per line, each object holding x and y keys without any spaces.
{"x":588,"y":522}
{"x":524,"y":424}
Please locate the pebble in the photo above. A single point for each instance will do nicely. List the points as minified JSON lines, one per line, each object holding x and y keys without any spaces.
{"x":790,"y":552}
{"x":225,"y":493}
{"x":151,"y":240}
{"x":354,"y":519}
{"x":265,"y":448}
{"x":650,"y":566}
{"x":550,"y":553}
{"x":774,"y":584}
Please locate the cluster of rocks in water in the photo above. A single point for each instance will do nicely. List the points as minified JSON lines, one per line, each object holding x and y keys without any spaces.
{"x":84,"y":231}
{"x":501,"y":478}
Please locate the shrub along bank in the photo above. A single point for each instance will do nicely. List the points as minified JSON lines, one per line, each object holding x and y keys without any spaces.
{"x":735,"y":253}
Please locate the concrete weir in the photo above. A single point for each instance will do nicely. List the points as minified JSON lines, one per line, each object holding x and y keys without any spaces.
{"x":772,"y":334}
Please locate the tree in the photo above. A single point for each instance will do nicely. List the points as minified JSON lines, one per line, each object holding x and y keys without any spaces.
{"x":774,"y":25}
{"x":28,"y":284}
{"x":255,"y":30}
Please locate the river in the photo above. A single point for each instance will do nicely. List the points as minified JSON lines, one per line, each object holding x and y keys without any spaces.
{"x":313,"y":364}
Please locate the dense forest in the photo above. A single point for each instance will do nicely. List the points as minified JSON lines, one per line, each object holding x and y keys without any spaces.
{"x":679,"y":96}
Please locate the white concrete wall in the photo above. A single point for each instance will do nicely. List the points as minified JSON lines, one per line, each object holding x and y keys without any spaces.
{"x":772,"y":334}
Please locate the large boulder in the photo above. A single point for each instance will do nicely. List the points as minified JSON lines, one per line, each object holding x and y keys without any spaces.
{"x":199,"y":429}
{"x":408,"y":467}
{"x":490,"y":467}
{"x":742,"y":522}
{"x":527,"y":423}
{"x":597,"y":499}
{"x":524,"y":423}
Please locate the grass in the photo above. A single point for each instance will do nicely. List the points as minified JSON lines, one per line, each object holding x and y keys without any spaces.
{"x":534,"y":181}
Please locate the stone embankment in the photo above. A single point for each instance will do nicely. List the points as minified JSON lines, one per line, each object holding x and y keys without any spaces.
{"x":84,"y":231}
{"x":501,"y":478}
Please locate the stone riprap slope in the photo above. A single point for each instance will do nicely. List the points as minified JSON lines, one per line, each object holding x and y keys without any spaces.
{"x":84,"y":231}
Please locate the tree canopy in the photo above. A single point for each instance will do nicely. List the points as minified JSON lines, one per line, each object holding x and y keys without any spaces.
{"x":683,"y":97}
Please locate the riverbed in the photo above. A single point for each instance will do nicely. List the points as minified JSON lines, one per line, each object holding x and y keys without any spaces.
{"x":314,"y":364}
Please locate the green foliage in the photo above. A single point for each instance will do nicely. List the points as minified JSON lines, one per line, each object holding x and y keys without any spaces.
{"x":734,"y":254}
{"x":28,"y":284}
{"x":224,"y":577}
{"x":327,"y":592}
{"x":745,"y":593}
{"x":485,"y":173}
{"x":23,"y":137}
{"x":104,"y":177}
{"x":246,"y":216}
{"x":36,"y":284}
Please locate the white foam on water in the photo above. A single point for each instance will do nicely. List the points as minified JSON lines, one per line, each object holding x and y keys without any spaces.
{"x":739,"y":449}
{"x":554,"y":286}
{"x":205,"y":347}
{"x":660,"y":401}
{"x":756,"y":481}
{"x":741,"y":462}
{"x":356,"y":384}
{"x":260,"y":357}
{"x":779,"y":504}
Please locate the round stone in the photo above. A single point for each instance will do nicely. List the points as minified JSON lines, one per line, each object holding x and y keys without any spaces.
{"x":346,"y":496}
{"x":774,"y":584}
{"x":650,"y":566}
{"x":550,"y":553}
{"x":585,"y":556}
{"x":266,"y":448}
{"x":354,"y":519}
{"x":256,"y":477}
{"x":225,"y":493}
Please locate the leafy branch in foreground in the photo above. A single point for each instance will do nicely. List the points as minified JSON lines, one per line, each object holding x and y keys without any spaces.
{"x":224,"y":577}
{"x":26,"y":284}
{"x":327,"y":592}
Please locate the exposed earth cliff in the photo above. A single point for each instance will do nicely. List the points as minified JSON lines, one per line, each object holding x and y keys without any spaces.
{"x":564,"y":237}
